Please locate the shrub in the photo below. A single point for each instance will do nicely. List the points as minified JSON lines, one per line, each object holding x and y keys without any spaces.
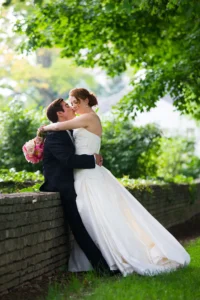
{"x":18,"y":125}
{"x":142,"y":152}
{"x":177,"y":159}
{"x":130,"y":150}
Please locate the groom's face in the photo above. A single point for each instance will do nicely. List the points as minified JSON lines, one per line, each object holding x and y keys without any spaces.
{"x":67,"y":113}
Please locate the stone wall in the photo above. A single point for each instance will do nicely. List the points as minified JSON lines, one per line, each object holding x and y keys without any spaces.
{"x":32,"y":237}
{"x":170,"y":204}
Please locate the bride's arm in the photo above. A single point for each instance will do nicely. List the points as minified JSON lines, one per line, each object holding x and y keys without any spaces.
{"x":77,"y":122}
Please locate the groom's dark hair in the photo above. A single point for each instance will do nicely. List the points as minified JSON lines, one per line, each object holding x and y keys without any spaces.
{"x":53,"y":108}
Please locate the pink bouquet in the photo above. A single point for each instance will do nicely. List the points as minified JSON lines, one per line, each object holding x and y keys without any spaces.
{"x":33,"y":150}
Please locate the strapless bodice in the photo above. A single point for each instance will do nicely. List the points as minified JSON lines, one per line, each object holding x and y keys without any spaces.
{"x":86,"y":142}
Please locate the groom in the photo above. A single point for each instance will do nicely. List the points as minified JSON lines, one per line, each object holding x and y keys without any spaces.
{"x":58,"y":164}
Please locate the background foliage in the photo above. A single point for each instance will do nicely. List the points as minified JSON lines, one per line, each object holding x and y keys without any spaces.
{"x":130,"y":150}
{"x":144,"y":152}
{"x":40,"y":79}
{"x":17,"y":126}
{"x":21,"y":176}
{"x":136,"y":152}
{"x":177,"y":159}
{"x":158,"y":39}
{"x":41,"y":76}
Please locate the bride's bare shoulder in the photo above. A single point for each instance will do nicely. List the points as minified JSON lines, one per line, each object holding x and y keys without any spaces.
{"x":92,"y":115}
{"x":95,"y":117}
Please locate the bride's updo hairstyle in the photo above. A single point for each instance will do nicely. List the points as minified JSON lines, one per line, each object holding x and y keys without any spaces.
{"x":82,"y":94}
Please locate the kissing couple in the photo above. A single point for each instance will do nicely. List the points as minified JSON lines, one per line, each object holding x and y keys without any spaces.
{"x":113,"y":232}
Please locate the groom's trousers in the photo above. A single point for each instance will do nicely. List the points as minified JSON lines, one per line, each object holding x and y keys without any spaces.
{"x":80,"y":233}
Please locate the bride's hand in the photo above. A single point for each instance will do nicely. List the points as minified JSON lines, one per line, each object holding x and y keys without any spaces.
{"x":41,"y":130}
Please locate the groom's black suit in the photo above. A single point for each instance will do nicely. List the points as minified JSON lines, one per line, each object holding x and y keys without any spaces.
{"x":58,"y":164}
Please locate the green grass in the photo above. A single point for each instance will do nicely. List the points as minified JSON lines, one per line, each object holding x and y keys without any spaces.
{"x":184,"y":284}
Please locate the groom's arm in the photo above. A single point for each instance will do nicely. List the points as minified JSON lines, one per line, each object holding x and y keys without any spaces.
{"x":64,"y":153}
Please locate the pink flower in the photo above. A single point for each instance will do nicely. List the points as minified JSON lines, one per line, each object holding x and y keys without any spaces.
{"x":33,"y":150}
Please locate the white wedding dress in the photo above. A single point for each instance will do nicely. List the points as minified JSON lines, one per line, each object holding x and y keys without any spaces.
{"x":128,"y":236}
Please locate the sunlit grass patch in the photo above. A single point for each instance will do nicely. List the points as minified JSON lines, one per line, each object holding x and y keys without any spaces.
{"x":184,"y":284}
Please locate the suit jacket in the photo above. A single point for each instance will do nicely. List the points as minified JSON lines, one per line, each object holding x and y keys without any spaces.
{"x":60,"y":160}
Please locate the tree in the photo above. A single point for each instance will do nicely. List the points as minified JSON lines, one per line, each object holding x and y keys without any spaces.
{"x":161,"y":38}
{"x":41,"y":77}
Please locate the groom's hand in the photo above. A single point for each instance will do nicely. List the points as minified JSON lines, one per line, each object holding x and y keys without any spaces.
{"x":98,"y":159}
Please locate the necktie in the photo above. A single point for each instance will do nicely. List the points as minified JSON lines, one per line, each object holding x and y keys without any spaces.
{"x":70,"y":132}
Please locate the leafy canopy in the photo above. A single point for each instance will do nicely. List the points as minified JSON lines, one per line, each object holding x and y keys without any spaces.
{"x":42,"y":76}
{"x":159,"y":38}
{"x":37,"y":83}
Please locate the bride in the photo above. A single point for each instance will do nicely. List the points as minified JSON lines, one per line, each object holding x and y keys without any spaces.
{"x":129,"y":237}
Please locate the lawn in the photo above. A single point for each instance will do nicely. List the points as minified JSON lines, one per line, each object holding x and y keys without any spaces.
{"x":183,"y":284}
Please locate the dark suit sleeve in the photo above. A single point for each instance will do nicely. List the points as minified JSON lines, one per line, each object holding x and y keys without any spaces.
{"x":64,"y":153}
